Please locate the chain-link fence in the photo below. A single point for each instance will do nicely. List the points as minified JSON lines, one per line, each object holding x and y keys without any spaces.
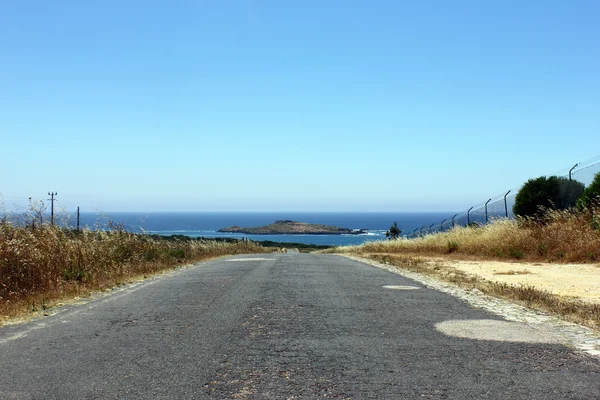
{"x":501,"y":205}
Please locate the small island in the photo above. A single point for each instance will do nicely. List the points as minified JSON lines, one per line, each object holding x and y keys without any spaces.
{"x":288,"y":227}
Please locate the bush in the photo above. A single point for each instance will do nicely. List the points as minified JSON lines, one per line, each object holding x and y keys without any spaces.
{"x":591,"y":194}
{"x":394,"y":232}
{"x":546,"y":193}
{"x":451,"y":247}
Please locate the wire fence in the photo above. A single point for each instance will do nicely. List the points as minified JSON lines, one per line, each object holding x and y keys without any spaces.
{"x":501,"y":205}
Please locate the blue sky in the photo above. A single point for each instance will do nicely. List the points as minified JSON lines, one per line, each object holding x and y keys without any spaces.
{"x":293,"y":105}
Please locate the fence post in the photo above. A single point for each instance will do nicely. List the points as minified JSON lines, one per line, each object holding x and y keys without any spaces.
{"x":421,"y":230}
{"x":431,"y":226}
{"x":453,"y":219}
{"x":442,"y":225}
{"x":571,"y":170}
{"x":486,"y":213}
{"x":505,"y":205}
{"x":469,"y":216}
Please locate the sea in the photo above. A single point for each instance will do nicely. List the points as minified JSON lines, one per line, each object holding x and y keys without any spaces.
{"x":206,"y":224}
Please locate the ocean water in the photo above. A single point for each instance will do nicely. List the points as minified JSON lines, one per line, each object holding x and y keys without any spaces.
{"x":202,"y":224}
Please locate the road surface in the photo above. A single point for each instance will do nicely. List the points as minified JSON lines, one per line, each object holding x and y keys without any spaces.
{"x":279,"y":326}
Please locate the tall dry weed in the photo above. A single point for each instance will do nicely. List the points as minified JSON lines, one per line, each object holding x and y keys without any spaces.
{"x":559,"y":236}
{"x":50,"y":262}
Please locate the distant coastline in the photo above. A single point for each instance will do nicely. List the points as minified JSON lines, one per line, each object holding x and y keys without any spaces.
{"x":289,"y":227}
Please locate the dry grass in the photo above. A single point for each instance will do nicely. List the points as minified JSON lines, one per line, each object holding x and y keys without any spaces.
{"x":561,"y":236}
{"x":512,"y":272}
{"x":587,"y":314}
{"x":49,"y":263}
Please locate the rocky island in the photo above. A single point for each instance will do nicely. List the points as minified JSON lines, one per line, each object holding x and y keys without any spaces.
{"x":287,"y":227}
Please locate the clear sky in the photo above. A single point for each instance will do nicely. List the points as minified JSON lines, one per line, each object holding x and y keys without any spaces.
{"x":293,"y":105}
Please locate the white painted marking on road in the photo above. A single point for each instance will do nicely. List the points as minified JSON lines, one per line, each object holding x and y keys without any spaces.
{"x":499,"y":331}
{"x":250,"y":259}
{"x":13,"y":337}
{"x":23,"y":334}
{"x":401,"y":287}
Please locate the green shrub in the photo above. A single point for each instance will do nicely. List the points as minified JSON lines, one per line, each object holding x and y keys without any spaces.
{"x":451,"y":247}
{"x":591,"y":194}
{"x":516,"y":253}
{"x":554,"y":192}
{"x":177,"y":254}
{"x":394,"y":232}
{"x":542,"y":249}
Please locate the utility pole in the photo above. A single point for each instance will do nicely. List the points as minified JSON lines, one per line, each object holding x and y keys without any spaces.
{"x":77,"y":218}
{"x":52,"y":194}
{"x":32,"y":218}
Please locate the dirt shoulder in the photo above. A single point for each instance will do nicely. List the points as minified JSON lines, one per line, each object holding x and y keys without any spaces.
{"x":570,"y":291}
{"x":510,"y":308}
{"x":571,"y":281}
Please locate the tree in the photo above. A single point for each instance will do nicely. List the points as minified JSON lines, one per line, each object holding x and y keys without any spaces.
{"x":554,"y":192}
{"x":394,"y":232}
{"x":591,"y":194}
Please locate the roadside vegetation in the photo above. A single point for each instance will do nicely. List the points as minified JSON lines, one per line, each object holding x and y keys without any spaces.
{"x":552,"y":192}
{"x":556,"y":236}
{"x":42,"y":264}
{"x":557,"y":221}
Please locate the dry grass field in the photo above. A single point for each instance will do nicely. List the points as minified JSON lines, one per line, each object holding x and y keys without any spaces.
{"x":39,"y":266}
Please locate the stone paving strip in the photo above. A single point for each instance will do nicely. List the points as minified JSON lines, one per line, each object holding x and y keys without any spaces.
{"x":570,"y":334}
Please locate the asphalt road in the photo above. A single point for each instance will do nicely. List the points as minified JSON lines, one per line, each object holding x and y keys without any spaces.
{"x":279,"y":326}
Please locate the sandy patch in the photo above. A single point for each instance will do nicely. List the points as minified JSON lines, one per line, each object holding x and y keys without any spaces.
{"x":575,"y":281}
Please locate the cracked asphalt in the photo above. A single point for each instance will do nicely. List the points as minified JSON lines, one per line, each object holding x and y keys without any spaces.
{"x":279,"y":326}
